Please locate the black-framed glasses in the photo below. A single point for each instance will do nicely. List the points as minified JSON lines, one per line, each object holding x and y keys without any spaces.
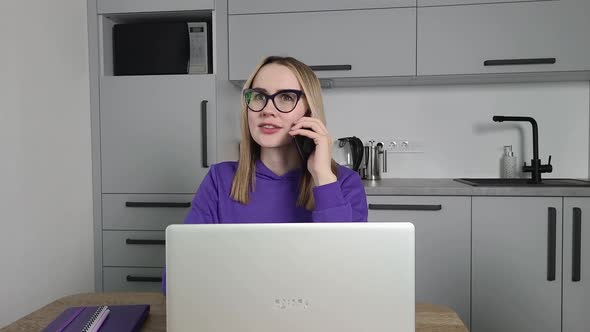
{"x":285,"y":101}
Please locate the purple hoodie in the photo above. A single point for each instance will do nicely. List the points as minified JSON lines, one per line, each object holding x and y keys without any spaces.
{"x":274,"y":199}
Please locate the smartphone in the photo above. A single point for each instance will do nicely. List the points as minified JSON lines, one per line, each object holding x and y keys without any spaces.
{"x":305,"y":146}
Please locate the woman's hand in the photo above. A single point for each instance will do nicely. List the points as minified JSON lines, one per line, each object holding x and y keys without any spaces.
{"x":319,"y":163}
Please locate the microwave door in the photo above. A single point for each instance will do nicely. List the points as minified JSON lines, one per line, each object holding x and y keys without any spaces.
{"x":198,"y":48}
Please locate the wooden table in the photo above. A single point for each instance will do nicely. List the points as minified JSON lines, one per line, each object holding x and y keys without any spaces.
{"x":429,"y":317}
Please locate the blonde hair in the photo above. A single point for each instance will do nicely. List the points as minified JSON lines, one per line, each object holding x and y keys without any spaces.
{"x":244,"y":179}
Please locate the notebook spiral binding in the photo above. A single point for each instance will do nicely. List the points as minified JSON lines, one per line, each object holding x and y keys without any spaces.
{"x":94,"y":317}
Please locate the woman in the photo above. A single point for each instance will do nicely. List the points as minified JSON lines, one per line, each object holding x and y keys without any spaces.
{"x":270,"y":182}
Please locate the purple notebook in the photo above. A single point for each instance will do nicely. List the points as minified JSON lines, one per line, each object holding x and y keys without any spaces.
{"x":122,"y":318}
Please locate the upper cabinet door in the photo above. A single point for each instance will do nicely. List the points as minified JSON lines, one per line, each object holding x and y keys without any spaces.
{"x":363,"y":43}
{"x":466,"y":2}
{"x":152,"y":135}
{"x":280,"y":6}
{"x":136,"y":6}
{"x":540,"y":36}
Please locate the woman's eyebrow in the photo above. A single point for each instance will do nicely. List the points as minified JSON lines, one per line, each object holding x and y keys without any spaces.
{"x":260,"y":89}
{"x":267,"y":92}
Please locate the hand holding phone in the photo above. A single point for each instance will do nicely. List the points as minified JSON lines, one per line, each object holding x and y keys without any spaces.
{"x":305,"y":146}
{"x":311,"y":136}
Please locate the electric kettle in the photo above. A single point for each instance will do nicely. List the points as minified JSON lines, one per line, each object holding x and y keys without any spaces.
{"x":349,"y":152}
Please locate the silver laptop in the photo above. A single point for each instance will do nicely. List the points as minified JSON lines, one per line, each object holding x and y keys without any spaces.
{"x":290,"y":277}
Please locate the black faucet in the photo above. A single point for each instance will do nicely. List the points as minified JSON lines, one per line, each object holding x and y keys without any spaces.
{"x":536,"y":167}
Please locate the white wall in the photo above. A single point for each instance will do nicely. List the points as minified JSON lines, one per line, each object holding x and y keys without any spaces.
{"x":46,"y":243}
{"x":454,"y":124}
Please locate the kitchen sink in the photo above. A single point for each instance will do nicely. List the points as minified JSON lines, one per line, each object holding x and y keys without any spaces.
{"x":495,"y":182}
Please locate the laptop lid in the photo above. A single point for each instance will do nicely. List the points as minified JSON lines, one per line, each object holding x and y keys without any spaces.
{"x":290,"y":277}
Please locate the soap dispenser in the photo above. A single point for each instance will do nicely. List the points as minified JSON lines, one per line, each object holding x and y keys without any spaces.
{"x":510,"y":167}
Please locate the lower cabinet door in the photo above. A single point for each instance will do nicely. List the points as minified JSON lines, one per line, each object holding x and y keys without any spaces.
{"x":516,"y":264}
{"x":443,"y":235}
{"x":576,"y":264}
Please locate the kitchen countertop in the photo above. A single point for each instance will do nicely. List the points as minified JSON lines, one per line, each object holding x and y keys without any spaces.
{"x":449,"y":187}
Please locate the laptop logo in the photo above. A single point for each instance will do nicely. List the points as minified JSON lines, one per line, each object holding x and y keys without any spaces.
{"x":287,"y":303}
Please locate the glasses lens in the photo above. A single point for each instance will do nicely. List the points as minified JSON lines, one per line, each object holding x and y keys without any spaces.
{"x":255,"y":100}
{"x":286,"y":101}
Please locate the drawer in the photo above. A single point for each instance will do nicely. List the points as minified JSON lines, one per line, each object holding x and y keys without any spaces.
{"x":119,"y":279}
{"x":414,"y":208}
{"x":143,"y":212}
{"x":133,"y":248}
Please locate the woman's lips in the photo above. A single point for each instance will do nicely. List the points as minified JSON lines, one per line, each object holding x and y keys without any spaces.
{"x":269,"y":129}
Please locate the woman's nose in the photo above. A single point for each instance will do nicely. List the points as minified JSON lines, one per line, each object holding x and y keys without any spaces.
{"x":270,"y":109}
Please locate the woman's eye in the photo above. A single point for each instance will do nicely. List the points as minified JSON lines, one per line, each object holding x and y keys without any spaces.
{"x":258,"y":96}
{"x":286,"y":97}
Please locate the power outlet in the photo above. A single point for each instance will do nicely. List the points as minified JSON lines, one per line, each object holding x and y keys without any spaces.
{"x":392,"y":146}
{"x":403,"y":145}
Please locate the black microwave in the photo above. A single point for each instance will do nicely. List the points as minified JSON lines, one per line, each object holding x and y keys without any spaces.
{"x":161,"y":48}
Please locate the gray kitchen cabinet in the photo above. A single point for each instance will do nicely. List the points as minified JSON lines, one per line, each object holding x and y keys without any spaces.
{"x":281,"y":6}
{"x":422,"y":3}
{"x":443,"y":237}
{"x":129,"y":6}
{"x":356,"y":43}
{"x":516,"y":264}
{"x":576,"y":264}
{"x":520,"y":37}
{"x":157,"y":132}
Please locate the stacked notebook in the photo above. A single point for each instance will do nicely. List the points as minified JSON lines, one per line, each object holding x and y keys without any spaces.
{"x":120,"y":318}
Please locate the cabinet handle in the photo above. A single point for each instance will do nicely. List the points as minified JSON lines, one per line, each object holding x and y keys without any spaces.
{"x":577,"y":245}
{"x":331,"y":67}
{"x":158,"y":204}
{"x":143,"y":279}
{"x":512,"y":62}
{"x":204,"y":133}
{"x":142,"y":241}
{"x":407,"y":207}
{"x":551,"y":243}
